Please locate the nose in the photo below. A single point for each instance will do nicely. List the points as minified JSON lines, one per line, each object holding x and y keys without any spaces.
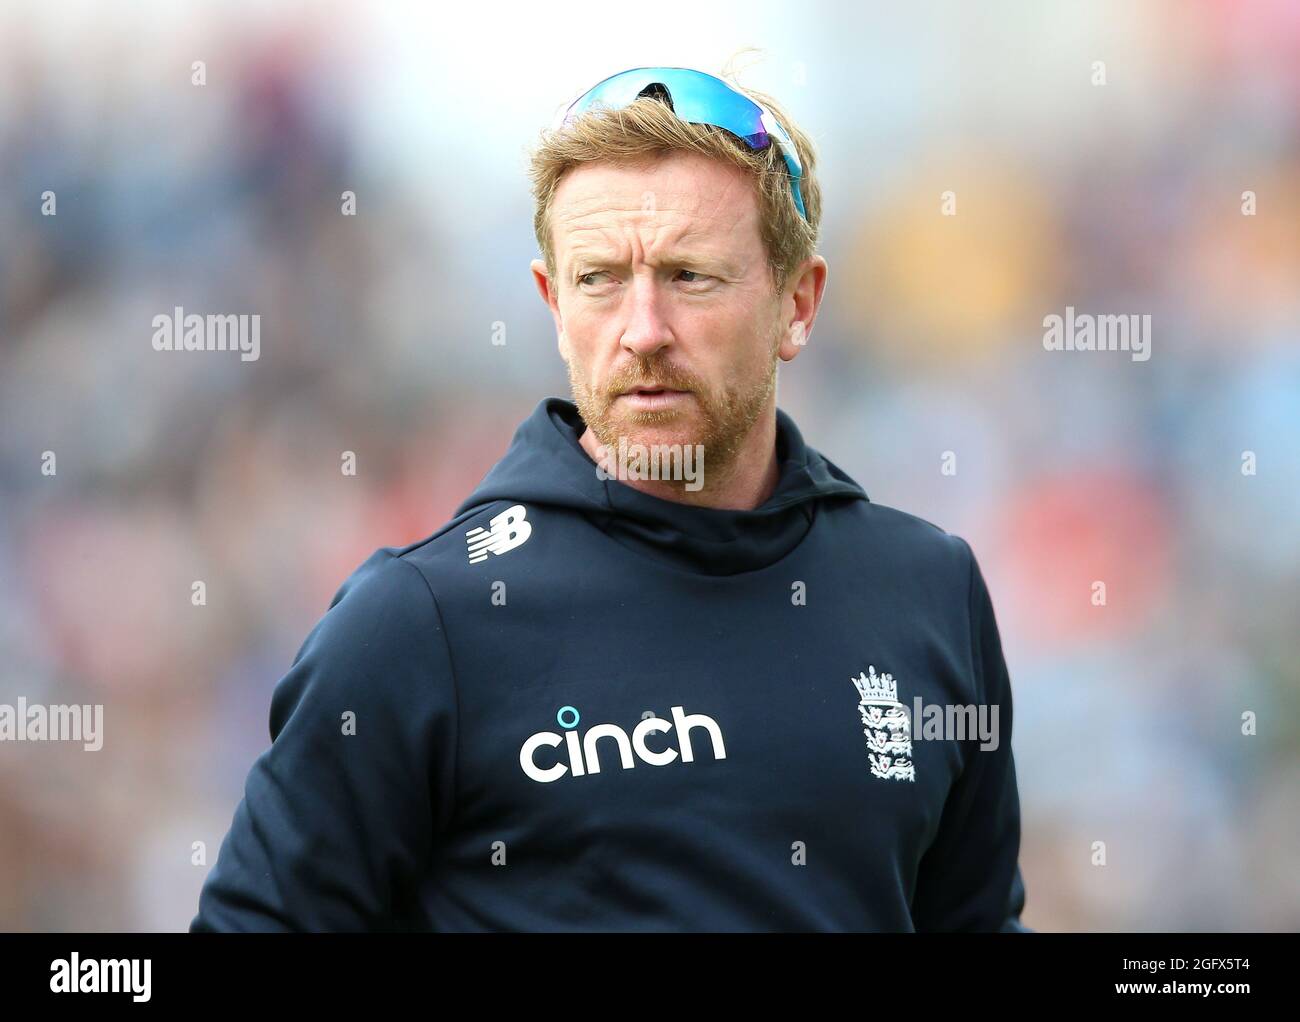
{"x":647,"y":330}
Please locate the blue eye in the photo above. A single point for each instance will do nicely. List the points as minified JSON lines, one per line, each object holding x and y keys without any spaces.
{"x":696,"y":273}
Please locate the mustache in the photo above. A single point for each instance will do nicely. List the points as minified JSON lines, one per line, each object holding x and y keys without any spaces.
{"x":651,"y":372}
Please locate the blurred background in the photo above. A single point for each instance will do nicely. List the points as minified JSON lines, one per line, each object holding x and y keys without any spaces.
{"x":1098,"y":155}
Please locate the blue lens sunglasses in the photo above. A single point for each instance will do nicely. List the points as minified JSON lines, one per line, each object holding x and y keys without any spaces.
{"x":697,"y":98}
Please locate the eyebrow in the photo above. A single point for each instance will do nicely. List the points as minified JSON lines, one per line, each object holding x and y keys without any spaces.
{"x":603,"y":258}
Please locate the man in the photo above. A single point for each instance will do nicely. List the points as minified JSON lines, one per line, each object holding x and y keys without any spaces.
{"x":659,"y":672}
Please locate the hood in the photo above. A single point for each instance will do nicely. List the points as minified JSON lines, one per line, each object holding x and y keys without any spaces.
{"x":546,"y":465}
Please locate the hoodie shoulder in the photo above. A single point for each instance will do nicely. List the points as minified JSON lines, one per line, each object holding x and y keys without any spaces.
{"x":919,"y":535}
{"x":894,"y":543}
{"x":459,"y":546}
{"x":884,"y":516}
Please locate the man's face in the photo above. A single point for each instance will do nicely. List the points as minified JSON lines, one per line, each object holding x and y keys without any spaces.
{"x":664,"y":303}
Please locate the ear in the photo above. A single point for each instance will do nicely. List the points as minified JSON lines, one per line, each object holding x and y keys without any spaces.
{"x":799,"y":306}
{"x":550,"y":297}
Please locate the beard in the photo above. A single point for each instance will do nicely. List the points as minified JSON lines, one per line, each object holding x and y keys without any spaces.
{"x":716,"y":418}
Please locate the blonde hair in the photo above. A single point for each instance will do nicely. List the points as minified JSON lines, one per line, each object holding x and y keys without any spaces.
{"x":646,"y":129}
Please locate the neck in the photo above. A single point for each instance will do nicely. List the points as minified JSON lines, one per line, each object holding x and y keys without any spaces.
{"x":742,"y":485}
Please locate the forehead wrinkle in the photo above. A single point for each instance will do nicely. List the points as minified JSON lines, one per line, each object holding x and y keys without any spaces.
{"x":667,"y":239}
{"x":603,"y":224}
{"x":653,"y":244}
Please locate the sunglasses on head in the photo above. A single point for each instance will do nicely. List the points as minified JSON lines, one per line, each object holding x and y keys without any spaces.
{"x":696,"y":98}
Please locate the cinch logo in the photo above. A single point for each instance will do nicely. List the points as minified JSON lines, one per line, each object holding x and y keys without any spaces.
{"x":506,"y":531}
{"x":584,"y":758}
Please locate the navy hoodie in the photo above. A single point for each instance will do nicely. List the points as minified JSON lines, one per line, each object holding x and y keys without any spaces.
{"x":580,"y":707}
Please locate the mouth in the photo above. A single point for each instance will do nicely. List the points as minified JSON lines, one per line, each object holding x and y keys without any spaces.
{"x":651,"y":388}
{"x":649,"y":396}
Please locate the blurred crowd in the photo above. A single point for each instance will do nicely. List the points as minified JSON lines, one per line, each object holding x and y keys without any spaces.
{"x":1120,"y":196}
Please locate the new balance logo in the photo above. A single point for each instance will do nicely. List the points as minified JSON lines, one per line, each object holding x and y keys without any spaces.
{"x":506,"y":531}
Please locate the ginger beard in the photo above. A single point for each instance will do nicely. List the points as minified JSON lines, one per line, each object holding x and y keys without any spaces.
{"x":718,"y":418}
